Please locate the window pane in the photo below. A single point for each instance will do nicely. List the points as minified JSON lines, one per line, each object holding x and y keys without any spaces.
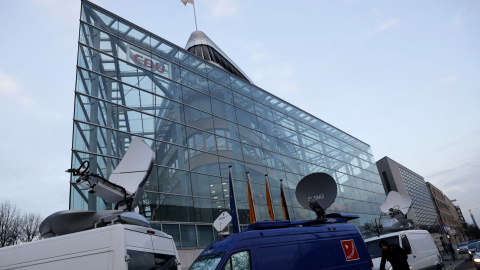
{"x":221,"y":92}
{"x":194,"y":81}
{"x":189,"y":235}
{"x":196,"y":99}
{"x":173,"y":230}
{"x":241,"y":260}
{"x":240,"y":86}
{"x":99,"y":19}
{"x":205,"y":235}
{"x":192,"y":62}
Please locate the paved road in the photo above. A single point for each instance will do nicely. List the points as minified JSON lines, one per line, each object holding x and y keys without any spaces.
{"x":467,"y":265}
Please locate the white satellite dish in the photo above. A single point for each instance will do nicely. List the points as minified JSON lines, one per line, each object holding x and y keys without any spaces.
{"x":124,"y":187}
{"x":397,"y":207}
{"x":222,"y":221}
{"x":396,"y":201}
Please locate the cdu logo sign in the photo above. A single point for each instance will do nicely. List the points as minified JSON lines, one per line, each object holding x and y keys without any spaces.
{"x":151,"y":62}
{"x":148,"y":63}
{"x":350,"y":250}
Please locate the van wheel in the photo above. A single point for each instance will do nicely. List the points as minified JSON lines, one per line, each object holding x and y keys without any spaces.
{"x":439,"y":267}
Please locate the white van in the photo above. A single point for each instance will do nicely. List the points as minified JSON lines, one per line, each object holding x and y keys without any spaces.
{"x":115,"y":247}
{"x":421,"y":249}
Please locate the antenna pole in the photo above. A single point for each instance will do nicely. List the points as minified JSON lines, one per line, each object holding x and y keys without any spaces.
{"x":195,"y":15}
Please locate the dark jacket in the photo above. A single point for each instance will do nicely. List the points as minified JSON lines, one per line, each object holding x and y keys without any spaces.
{"x":397,"y":257}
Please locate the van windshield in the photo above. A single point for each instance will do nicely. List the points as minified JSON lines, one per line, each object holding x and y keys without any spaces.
{"x":375,"y":250}
{"x":207,"y":262}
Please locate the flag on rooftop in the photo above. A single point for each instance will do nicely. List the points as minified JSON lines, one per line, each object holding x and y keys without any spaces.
{"x":185,"y":2}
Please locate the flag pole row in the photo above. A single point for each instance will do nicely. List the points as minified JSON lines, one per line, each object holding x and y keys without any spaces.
{"x":251,"y":202}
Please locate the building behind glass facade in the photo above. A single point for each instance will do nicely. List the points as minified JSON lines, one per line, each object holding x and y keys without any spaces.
{"x":398,"y":178}
{"x":201,"y":118}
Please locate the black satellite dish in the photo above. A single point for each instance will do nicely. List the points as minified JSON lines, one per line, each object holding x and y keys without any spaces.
{"x":316,"y":192}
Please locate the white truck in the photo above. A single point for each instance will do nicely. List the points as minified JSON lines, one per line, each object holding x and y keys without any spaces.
{"x":114,"y":247}
{"x":419,"y":244}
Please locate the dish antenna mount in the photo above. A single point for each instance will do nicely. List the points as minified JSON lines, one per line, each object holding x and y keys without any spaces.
{"x":396,"y":206}
{"x":316,"y":192}
{"x":124,"y":187}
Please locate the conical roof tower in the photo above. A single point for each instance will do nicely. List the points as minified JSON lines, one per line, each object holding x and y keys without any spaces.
{"x":203,"y":47}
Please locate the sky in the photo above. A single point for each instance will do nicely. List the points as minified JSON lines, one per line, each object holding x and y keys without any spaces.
{"x":401,"y":76}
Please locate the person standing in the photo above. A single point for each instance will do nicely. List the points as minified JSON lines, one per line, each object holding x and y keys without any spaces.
{"x":393,"y":253}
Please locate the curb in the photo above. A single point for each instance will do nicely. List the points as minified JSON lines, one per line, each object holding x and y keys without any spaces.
{"x":455,"y":265}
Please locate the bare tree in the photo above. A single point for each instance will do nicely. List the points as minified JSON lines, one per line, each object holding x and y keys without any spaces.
{"x":374,"y":228}
{"x":30,"y":225}
{"x":16,"y":227}
{"x":473,"y":231}
{"x":9,"y":221}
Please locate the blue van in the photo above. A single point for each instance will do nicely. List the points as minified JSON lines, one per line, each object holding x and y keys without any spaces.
{"x":328,"y":243}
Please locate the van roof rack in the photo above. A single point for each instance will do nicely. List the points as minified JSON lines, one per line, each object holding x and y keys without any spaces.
{"x":333,"y":218}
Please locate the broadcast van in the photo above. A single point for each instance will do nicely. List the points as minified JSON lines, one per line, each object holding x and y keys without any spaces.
{"x":308,"y":244}
{"x":115,"y":247}
{"x":419,"y":244}
{"x":327,"y":242}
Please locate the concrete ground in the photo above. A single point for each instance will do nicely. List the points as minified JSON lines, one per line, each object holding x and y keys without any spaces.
{"x":452,"y":264}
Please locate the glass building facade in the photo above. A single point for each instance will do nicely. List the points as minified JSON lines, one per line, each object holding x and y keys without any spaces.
{"x":200,"y":119}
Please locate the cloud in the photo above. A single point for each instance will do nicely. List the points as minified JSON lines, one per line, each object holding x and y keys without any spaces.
{"x":12,"y":92}
{"x":223,"y":8}
{"x":458,"y":178}
{"x":374,"y":12}
{"x":279,"y":77}
{"x":445,"y":81}
{"x":457,"y":20}
{"x":257,"y":52}
{"x":386,"y":25}
{"x":61,"y":10}
{"x":465,"y":16}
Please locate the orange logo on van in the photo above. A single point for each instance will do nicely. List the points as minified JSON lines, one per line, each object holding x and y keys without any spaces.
{"x":350,"y":250}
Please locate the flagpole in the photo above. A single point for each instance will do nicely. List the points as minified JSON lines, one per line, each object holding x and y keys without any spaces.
{"x":284,"y":201}
{"x":195,"y":15}
{"x":233,"y":203}
{"x":271,"y":213}
{"x":251,"y":201}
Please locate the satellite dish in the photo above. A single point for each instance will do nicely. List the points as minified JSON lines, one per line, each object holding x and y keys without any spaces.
{"x":394,"y":225}
{"x":124,"y":187}
{"x":222,"y":221}
{"x":396,"y":205}
{"x":316,"y":192}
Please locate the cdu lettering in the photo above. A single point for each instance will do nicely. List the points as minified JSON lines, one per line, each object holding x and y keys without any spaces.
{"x":148,"y":63}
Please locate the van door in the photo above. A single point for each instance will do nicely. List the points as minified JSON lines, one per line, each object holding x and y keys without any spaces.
{"x":165,"y":253}
{"x":429,"y":256}
{"x":412,"y":257}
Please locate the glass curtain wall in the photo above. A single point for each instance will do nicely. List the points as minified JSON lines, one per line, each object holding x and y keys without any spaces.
{"x":200,"y":120}
{"x":421,"y":201}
